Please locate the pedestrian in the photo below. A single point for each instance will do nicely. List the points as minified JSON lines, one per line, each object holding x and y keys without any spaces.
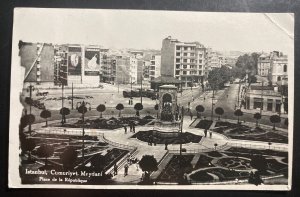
{"x":125,"y":129}
{"x":205,"y":132}
{"x":129,"y":102}
{"x":191,"y":114}
{"x":133,"y":127}
{"x":210,"y":134}
{"x":130,"y":125}
{"x":115,"y":169}
{"x":189,"y":106}
{"x":126,"y":169}
{"x":166,"y":146}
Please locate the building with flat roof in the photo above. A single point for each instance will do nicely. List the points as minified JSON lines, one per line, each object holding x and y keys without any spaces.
{"x":186,"y":61}
{"x":273,"y":66}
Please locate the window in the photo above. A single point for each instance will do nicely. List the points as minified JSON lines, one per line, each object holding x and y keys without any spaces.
{"x":285,"y":68}
{"x":192,"y":61}
{"x":177,"y":47}
{"x":278,"y":78}
{"x":177,"y":72}
{"x":185,"y":48}
{"x":184,"y":72}
{"x":200,"y":55}
{"x":200,"y":66}
{"x":177,"y":60}
{"x":184,"y":54}
{"x":200,"y":72}
{"x":200,"y":61}
{"x":192,"y":54}
{"x":184,"y":66}
{"x":192,"y":48}
{"x":270,"y":105}
{"x":177,"y":54}
{"x":177,"y":66}
{"x":257,"y":103}
{"x":185,"y":60}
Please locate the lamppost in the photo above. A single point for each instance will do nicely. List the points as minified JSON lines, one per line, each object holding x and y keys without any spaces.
{"x":62,"y":98}
{"x":82,"y":108}
{"x":141,"y":89}
{"x":212,"y":105}
{"x":131,"y":102}
{"x":261,"y":99}
{"x":30,"y":89}
{"x":181,"y":125}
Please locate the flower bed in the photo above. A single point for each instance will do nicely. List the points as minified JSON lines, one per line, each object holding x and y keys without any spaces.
{"x":176,"y":167}
{"x":158,"y":137}
{"x":204,"y":124}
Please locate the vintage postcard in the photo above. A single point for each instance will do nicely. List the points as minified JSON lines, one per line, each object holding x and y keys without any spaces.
{"x":137,"y":99}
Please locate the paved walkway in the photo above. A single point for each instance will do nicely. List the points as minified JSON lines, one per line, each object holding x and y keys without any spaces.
{"x":118,"y":137}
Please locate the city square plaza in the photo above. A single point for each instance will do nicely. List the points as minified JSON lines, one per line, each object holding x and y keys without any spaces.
{"x":213,"y":146}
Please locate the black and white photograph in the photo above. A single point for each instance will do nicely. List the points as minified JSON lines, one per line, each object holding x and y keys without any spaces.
{"x":141,"y":99}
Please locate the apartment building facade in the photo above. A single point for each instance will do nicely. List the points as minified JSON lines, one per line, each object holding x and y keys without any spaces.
{"x":185,"y":61}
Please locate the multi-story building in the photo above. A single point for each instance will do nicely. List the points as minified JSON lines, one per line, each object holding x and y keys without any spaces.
{"x":108,"y":68}
{"x":278,"y":70}
{"x":263,"y":65}
{"x":273,"y":65}
{"x":126,"y":70}
{"x":155,"y":66}
{"x":37,"y":61}
{"x":183,"y":60}
{"x":215,"y":60}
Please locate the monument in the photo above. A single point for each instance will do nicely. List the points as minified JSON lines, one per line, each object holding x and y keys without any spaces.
{"x":168,"y":116}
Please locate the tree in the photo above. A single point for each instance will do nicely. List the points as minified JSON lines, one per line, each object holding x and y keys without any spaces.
{"x":28,"y":119}
{"x":218,"y":77}
{"x":219,"y":111}
{"x":257,"y":116}
{"x":27,"y":145}
{"x":64,"y":112}
{"x":156,"y":108}
{"x":120,"y":107}
{"x":28,"y":101}
{"x":68,"y":158}
{"x":101,"y":108}
{"x":199,"y":109}
{"x":45,"y":114}
{"x":46,"y":151}
{"x":238,"y":113}
{"x":275,"y":119}
{"x":138,"y":107}
{"x":148,"y":164}
{"x":215,"y":146}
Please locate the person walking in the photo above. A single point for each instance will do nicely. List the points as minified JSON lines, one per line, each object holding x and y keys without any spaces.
{"x":126,"y":169}
{"x":210,"y":134}
{"x":191,"y":114}
{"x":125,"y":129}
{"x":133,"y":127}
{"x":130,"y":125}
{"x":205,"y":132}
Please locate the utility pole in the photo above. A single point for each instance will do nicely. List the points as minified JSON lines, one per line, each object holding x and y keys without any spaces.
{"x":181,"y":126}
{"x":62,"y":100}
{"x":212,"y":105}
{"x":30,"y":89}
{"x":72,"y":97}
{"x":261,"y":100}
{"x":141,"y":89}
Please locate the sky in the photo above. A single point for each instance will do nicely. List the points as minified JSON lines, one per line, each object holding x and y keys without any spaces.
{"x":247,"y":32}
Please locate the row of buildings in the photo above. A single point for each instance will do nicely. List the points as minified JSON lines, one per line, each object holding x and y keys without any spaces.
{"x":89,"y":65}
{"x":271,"y":93}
